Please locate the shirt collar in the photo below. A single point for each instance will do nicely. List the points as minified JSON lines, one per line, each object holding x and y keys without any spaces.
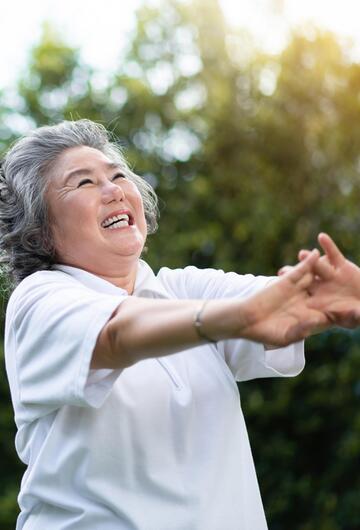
{"x":146,"y":283}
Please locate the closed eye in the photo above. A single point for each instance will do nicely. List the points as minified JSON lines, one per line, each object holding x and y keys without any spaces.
{"x":118,"y":175}
{"x":83,"y":182}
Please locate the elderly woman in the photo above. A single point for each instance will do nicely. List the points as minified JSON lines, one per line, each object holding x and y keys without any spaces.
{"x":124,"y":382}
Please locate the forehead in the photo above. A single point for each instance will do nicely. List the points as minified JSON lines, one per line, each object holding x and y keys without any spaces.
{"x":81,"y":157}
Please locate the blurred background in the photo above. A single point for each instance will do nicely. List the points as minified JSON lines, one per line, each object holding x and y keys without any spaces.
{"x":245,"y":117}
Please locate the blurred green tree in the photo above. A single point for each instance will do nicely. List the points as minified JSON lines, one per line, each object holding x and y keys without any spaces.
{"x":252,"y":155}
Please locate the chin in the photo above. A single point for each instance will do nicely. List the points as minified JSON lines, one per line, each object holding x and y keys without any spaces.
{"x":135,"y":249}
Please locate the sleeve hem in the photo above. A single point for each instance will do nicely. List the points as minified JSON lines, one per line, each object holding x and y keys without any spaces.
{"x":89,"y":389}
{"x":260,"y":363}
{"x":286,"y":362}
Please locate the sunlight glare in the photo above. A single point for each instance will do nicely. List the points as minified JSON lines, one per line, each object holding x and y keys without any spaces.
{"x":270,"y":21}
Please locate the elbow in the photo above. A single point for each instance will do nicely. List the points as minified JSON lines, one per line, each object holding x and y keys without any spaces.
{"x":110,"y":349}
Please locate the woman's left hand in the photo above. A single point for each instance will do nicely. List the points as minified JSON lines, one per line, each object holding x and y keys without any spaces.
{"x":337,"y":293}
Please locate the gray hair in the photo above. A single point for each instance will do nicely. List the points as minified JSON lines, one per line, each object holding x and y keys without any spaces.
{"x":26,"y":242}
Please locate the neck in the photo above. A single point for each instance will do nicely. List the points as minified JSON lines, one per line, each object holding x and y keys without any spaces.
{"x":122,"y":274}
{"x":123,"y":279}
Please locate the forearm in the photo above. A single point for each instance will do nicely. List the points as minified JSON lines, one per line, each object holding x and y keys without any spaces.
{"x":144,"y":328}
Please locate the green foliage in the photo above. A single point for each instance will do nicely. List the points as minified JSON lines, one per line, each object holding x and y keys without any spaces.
{"x":252,"y":155}
{"x":306,"y":438}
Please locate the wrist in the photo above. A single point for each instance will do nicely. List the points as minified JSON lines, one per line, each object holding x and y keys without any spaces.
{"x":199,"y":324}
{"x":228,"y":319}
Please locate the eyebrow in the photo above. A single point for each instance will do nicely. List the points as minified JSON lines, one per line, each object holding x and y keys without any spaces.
{"x":83,"y":171}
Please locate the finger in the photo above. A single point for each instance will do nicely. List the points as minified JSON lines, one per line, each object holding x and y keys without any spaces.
{"x":306,"y":281}
{"x":352,"y":319}
{"x":316,"y":321}
{"x":304,"y":266}
{"x":311,"y":289}
{"x":323,"y":269}
{"x":284,"y":270}
{"x":336,"y":258}
{"x":303,"y":254}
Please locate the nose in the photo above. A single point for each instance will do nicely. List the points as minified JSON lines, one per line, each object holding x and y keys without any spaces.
{"x":112,"y":192}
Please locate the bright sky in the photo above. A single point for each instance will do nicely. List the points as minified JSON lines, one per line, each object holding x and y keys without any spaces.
{"x":101,"y":29}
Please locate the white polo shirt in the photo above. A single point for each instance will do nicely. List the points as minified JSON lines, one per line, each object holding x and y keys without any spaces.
{"x":161,"y":445}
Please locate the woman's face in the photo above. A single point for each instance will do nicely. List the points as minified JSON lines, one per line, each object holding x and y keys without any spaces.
{"x":96,"y":213}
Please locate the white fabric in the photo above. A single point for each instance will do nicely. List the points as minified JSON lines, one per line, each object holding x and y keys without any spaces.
{"x":161,"y":445}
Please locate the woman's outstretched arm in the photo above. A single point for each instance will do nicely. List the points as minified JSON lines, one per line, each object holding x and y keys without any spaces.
{"x":279,"y":315}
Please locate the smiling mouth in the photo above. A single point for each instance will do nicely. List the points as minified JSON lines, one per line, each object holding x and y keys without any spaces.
{"x":118,"y":221}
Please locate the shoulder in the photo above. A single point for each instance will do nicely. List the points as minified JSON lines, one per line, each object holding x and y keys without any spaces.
{"x":192,"y":282}
{"x":179,"y":282}
{"x":39,"y":285}
{"x":44,"y":279}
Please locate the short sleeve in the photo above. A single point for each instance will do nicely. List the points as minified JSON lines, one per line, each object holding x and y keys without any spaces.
{"x":192,"y":282}
{"x":51,"y":331}
{"x":249,"y":360}
{"x":246,"y":359}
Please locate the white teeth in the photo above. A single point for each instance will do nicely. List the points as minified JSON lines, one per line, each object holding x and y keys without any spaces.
{"x":119,"y":224}
{"x":114,"y":221}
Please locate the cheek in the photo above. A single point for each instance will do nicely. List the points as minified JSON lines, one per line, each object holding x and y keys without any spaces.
{"x":72,"y":218}
{"x":138,"y":204}
{"x":142,"y":214}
